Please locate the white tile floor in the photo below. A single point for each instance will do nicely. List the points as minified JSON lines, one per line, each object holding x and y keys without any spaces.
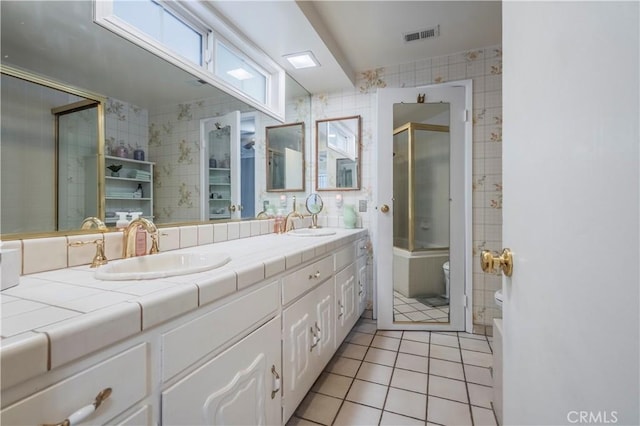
{"x":419,"y":309}
{"x":403,"y":378}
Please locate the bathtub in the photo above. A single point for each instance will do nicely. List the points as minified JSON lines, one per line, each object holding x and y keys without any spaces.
{"x":419,"y":273}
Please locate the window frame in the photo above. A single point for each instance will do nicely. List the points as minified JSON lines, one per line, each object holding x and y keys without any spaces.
{"x":205,"y":21}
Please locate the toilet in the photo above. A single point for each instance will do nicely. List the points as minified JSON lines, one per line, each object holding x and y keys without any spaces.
{"x":445,"y":268}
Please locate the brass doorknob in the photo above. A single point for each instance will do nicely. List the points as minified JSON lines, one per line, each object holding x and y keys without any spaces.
{"x":232,"y":207}
{"x":384,"y":208}
{"x":489,"y":261}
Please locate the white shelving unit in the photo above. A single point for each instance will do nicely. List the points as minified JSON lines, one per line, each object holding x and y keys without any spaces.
{"x":119,"y":190}
{"x":219,"y":193}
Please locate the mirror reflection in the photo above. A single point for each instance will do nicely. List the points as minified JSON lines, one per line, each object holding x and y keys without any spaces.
{"x":338,"y":153}
{"x":285,"y":157}
{"x":49,"y":172}
{"x":421,"y":214}
{"x":149,"y":105}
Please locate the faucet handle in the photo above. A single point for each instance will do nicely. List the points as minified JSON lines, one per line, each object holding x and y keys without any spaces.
{"x":155,"y":248}
{"x":99,"y":258}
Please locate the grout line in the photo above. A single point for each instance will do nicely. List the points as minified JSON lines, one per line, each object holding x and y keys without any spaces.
{"x":466,"y":385}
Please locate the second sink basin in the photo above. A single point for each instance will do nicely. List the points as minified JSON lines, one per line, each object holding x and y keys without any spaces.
{"x":311,"y":232}
{"x":161,"y":265}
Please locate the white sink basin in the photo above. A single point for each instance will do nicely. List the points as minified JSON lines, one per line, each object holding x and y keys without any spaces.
{"x":160,"y":265}
{"x":311,"y":232}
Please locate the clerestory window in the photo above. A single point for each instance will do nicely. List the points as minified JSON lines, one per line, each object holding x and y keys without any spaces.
{"x":193,"y":37}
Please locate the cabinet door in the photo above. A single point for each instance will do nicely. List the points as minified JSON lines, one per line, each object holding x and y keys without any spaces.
{"x":346,"y":302}
{"x":241,"y":386}
{"x":298,"y":357}
{"x":362,"y":285}
{"x":324,"y":316}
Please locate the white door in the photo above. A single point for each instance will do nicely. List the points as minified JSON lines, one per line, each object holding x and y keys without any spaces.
{"x":571,"y":212}
{"x":220,"y":185}
{"x":458,"y":96}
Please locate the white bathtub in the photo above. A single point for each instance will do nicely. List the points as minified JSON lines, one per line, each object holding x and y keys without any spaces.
{"x":419,"y":273}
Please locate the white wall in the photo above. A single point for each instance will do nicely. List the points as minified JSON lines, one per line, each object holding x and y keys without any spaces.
{"x":571,"y":212}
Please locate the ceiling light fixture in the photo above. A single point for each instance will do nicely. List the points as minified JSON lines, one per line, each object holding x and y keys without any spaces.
{"x":302,"y":60}
{"x":240,"y":74}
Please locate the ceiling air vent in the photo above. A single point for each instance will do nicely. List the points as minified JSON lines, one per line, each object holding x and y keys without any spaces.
{"x":422,"y":34}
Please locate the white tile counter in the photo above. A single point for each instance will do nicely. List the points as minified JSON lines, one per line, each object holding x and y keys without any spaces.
{"x":54,"y":317}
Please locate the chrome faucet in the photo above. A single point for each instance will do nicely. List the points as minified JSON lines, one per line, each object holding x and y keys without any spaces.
{"x":129,"y":236}
{"x":288,"y":223}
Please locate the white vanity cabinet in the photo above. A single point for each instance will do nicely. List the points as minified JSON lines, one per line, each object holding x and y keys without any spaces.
{"x":307,"y":343}
{"x":241,"y":386}
{"x":126,"y":374}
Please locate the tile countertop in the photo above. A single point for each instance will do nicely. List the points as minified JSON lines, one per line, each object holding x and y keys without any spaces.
{"x":49,"y":313}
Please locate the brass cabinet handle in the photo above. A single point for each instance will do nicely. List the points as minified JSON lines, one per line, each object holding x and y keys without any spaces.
{"x":315,"y":339}
{"x":384,"y":208}
{"x":232,"y":208}
{"x":489,"y":261}
{"x":80,"y":415}
{"x":341,"y":309}
{"x":276,"y":382}
{"x":315,"y":276}
{"x":318,"y":330}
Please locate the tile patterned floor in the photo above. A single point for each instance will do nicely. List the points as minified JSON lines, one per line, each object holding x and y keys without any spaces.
{"x":419,"y":309}
{"x":403,"y":378}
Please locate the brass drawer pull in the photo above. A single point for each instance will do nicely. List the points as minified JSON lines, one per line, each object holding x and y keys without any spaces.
{"x":80,"y":415}
{"x":276,"y":382}
{"x":315,"y":276}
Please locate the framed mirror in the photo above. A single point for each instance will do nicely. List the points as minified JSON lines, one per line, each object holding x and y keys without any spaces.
{"x":338,"y":147}
{"x":285,"y":157}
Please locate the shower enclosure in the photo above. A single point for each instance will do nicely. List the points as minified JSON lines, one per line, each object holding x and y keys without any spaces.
{"x":421,"y":217}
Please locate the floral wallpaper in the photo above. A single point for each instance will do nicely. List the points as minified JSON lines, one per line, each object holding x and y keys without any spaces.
{"x":484,"y":67}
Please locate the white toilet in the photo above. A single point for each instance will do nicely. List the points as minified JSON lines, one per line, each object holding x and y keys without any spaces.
{"x":445,"y":268}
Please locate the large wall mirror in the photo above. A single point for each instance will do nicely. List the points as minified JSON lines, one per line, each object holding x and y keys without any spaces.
{"x":285,"y":157}
{"x":149,"y":105}
{"x":338,"y":153}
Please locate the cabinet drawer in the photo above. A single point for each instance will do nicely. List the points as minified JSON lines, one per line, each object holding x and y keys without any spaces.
{"x":125,"y":374}
{"x":188,"y":343}
{"x":344,"y":257}
{"x":297,"y":283}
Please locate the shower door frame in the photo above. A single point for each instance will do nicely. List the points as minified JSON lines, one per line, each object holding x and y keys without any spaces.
{"x":462,"y":319}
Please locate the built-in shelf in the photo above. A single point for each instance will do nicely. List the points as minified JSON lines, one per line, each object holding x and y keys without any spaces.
{"x":127,"y":183}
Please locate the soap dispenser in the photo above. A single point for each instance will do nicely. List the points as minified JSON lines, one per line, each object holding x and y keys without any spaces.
{"x":122,"y":221}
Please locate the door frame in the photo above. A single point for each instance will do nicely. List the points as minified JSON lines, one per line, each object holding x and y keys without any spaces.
{"x":381,"y":198}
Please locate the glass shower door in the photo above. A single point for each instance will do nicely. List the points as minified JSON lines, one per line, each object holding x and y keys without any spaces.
{"x":421,"y":193}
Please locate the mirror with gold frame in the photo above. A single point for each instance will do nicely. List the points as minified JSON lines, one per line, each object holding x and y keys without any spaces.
{"x":285,"y":157}
{"x":338,"y":152}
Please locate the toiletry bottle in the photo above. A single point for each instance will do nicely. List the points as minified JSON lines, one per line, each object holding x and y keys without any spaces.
{"x":139,"y":193}
{"x":122,"y":221}
{"x":279,"y":225}
{"x":141,"y":241}
{"x":138,"y":154}
{"x":122,"y":151}
{"x":212,"y":162}
{"x":141,"y":236}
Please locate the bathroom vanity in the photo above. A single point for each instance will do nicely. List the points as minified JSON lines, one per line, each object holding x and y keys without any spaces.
{"x":241,"y":344}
